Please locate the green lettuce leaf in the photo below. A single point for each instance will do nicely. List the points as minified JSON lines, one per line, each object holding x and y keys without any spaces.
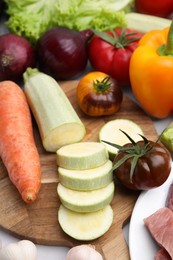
{"x":31,"y":18}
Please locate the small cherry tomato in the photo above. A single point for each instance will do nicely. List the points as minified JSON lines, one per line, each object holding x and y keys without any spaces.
{"x":99,"y":94}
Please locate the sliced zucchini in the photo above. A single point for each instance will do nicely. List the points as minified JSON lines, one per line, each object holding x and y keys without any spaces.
{"x":86,"y":201}
{"x":82,"y":155}
{"x":89,"y":179}
{"x":110,"y":132}
{"x":85,"y":226}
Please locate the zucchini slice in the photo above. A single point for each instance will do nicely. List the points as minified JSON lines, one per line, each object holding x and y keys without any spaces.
{"x":85,"y":226}
{"x":89,"y":179}
{"x":82,"y":155}
{"x":86,"y":201}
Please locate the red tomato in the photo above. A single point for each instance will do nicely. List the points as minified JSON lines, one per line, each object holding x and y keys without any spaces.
{"x":160,"y":8}
{"x":111,"y":52}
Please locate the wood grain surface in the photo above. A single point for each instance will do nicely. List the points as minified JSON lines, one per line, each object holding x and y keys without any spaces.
{"x":38,"y":222}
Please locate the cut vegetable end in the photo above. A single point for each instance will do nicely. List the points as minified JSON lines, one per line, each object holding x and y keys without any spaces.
{"x":29,"y":196}
{"x":121,"y":4}
{"x":167,"y":138}
{"x":111,"y":132}
{"x":82,"y":155}
{"x":85,"y":226}
{"x":64,"y":135}
{"x":145,"y":23}
{"x":57,"y":121}
{"x":86,"y":201}
{"x":89,"y":179}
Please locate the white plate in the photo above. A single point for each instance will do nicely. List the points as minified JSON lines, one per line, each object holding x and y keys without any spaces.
{"x":141,"y":244}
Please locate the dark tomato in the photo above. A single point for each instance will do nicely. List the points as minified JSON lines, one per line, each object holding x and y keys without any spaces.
{"x":152,"y":168}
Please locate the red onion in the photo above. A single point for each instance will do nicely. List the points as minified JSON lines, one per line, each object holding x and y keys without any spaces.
{"x":16,"y":54}
{"x":62,"y":52}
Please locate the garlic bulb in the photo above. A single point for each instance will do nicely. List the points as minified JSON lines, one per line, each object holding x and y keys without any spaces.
{"x":22,"y":250}
{"x":83,"y":252}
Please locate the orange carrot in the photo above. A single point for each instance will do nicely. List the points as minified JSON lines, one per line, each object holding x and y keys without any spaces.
{"x":17,"y":145}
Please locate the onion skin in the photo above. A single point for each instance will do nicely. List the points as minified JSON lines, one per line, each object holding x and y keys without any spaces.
{"x":16,"y":54}
{"x":62,"y":52}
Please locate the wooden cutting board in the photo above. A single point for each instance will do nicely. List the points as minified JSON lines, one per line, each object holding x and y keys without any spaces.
{"x":38,"y":222}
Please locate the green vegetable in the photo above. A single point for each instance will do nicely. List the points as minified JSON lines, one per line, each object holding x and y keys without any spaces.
{"x":56,"y":118}
{"x":88,"y":179}
{"x":167,"y":137}
{"x":110,"y":132}
{"x":31,"y":18}
{"x":82,"y":155}
{"x":86,"y":201}
{"x":145,"y":23}
{"x":85,"y":226}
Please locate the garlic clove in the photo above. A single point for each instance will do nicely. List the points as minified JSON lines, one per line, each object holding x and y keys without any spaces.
{"x":11,"y":252}
{"x":83,"y":252}
{"x":23,"y":250}
{"x":29,"y":250}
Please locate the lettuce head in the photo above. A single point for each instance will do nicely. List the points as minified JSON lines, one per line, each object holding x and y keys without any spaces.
{"x":31,"y":18}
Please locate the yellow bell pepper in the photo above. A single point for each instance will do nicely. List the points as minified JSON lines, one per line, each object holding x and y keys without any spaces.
{"x":151,"y":72}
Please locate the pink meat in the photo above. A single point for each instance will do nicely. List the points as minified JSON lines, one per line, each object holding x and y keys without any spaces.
{"x":169,"y":199}
{"x":162,"y":254}
{"x":160,"y":225}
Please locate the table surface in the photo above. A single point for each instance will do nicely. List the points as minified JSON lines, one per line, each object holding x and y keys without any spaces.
{"x":57,"y":252}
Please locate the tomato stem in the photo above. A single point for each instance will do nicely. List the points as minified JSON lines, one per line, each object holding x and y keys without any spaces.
{"x":102,"y":86}
{"x":120,"y":41}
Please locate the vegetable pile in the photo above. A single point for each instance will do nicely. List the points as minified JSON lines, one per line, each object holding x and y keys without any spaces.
{"x":64,"y":36}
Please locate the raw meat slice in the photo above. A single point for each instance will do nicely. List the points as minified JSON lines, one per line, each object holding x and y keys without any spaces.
{"x":160,"y":225}
{"x":169,"y":199}
{"x":162,"y":254}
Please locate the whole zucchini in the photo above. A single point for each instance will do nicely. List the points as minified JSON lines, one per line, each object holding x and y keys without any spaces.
{"x":57,"y":120}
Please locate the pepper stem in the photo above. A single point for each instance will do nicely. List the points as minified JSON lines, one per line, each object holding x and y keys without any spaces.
{"x":167,"y":49}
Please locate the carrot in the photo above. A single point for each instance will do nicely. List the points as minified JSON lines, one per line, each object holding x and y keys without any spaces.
{"x":17,"y":145}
